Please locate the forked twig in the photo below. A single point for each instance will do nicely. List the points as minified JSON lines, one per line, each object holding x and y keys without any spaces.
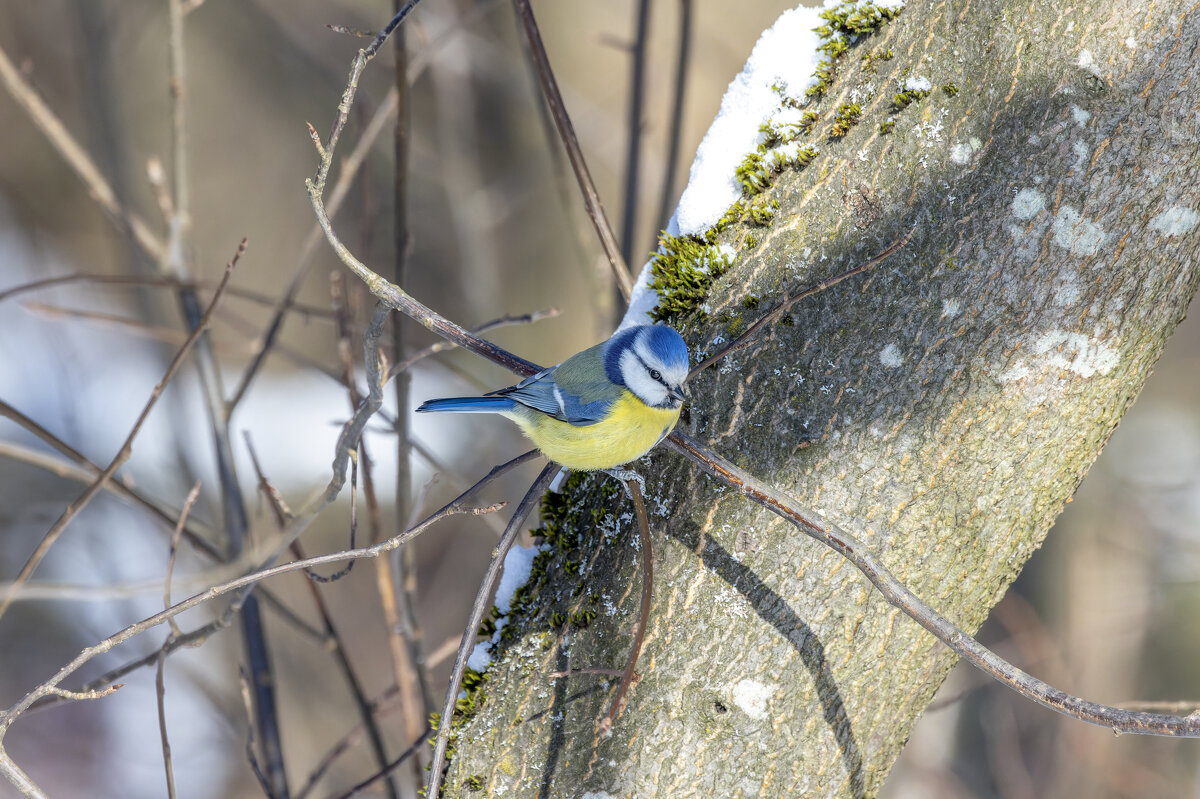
{"x":126,"y":449}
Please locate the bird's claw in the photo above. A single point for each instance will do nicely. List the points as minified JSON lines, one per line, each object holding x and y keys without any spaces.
{"x":623,"y":476}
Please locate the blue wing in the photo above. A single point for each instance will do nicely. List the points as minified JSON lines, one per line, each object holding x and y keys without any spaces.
{"x":542,"y":393}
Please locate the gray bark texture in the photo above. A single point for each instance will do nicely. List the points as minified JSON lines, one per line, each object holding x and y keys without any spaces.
{"x":943,"y":408}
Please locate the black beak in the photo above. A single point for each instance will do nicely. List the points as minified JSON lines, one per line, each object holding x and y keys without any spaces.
{"x":677,"y":394}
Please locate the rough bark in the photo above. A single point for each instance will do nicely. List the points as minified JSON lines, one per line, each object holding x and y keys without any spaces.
{"x":944,"y":408}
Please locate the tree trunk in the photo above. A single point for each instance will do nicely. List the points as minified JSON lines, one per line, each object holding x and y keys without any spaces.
{"x":942,"y":407}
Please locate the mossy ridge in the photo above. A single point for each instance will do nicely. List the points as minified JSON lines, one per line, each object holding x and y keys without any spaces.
{"x":565,"y":515}
{"x":845,"y":26}
{"x":685,"y":267}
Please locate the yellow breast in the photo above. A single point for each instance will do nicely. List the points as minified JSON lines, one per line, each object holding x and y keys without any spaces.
{"x":628,"y":432}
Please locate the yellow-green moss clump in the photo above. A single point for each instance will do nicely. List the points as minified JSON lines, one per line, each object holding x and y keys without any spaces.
{"x":684,"y":268}
{"x":841,"y":23}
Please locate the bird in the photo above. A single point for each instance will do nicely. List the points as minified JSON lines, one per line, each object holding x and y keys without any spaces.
{"x":599,"y":409}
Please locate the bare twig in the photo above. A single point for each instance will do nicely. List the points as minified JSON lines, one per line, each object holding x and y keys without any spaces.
{"x":747,"y":338}
{"x":395,"y":764}
{"x":633,"y":151}
{"x":138,"y":281}
{"x":160,"y":682}
{"x":846,"y":545}
{"x":639,"y":630}
{"x":160,"y":693}
{"x":667,"y":199}
{"x":591,"y":197}
{"x":482,"y":600}
{"x":77,"y":158}
{"x":192,"y":496}
{"x":51,"y":687}
{"x":348,"y":171}
{"x":127,"y":447}
{"x":442,"y":346}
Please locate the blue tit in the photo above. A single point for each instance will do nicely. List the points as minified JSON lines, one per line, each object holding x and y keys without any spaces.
{"x":600,"y":408}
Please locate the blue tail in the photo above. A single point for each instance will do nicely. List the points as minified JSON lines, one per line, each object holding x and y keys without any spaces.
{"x":467,"y":405}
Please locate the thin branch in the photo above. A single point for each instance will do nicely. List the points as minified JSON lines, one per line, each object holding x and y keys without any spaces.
{"x":183,"y":516}
{"x":1117,"y":719}
{"x":160,"y":678}
{"x":89,"y":471}
{"x":349,"y":169}
{"x":137,"y":281}
{"x":77,"y":158}
{"x":482,"y":603}
{"x":639,"y":630}
{"x":51,"y":687}
{"x":127,"y":447}
{"x":395,"y":764}
{"x":160,"y":694}
{"x":633,"y":151}
{"x":591,"y":197}
{"x":747,"y":338}
{"x":675,"y":135}
{"x":444,"y":345}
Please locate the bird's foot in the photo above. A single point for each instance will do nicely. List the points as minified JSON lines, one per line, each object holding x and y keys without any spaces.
{"x":623,"y":476}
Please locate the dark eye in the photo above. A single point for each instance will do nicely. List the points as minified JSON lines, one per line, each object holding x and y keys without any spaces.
{"x":655,"y":374}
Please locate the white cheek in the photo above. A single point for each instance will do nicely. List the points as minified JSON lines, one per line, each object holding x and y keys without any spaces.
{"x":649,"y":390}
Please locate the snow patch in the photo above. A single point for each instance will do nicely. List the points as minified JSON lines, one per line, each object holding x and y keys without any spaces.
{"x":518,"y":563}
{"x":785,"y":56}
{"x":480,"y":657}
{"x":890,"y":356}
{"x":752,"y":698}
{"x":1081,"y":116}
{"x":918,"y":84}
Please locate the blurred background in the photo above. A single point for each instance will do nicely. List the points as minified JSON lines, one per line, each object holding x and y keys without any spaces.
{"x":1107,"y":609}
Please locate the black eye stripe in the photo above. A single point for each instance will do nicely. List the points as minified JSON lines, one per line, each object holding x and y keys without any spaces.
{"x":654,"y":373}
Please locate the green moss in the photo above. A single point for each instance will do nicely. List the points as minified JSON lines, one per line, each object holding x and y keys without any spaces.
{"x":787,"y":321}
{"x":473,"y":783}
{"x":853,"y":18}
{"x":752,"y":174}
{"x":582,"y":618}
{"x":761,"y":214}
{"x":824,"y":76}
{"x":885,"y":127}
{"x":750,"y":303}
{"x":681,"y":272}
{"x":950,"y":89}
{"x":847,"y":117}
{"x":558,"y":619}
{"x":750,"y":241}
{"x":872,"y":58}
{"x":465,"y":707}
{"x":904,"y":99}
